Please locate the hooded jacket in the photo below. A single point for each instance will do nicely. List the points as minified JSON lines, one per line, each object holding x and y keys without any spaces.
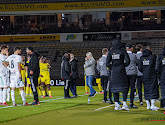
{"x":117,"y":60}
{"x":33,"y":64}
{"x":147,"y":67}
{"x":65,"y":69}
{"x":160,"y":68}
{"x":74,"y":68}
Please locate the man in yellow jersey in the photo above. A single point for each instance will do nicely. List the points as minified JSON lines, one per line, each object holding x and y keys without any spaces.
{"x":45,"y":77}
{"x":23,"y":72}
{"x":27,"y":79}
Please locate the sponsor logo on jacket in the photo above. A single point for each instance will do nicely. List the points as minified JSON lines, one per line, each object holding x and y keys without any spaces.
{"x":115,"y":56}
{"x":146,"y":62}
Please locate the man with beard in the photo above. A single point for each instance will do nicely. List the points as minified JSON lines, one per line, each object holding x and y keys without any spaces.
{"x":147,"y":67}
{"x":117,"y":60}
{"x":33,"y":72}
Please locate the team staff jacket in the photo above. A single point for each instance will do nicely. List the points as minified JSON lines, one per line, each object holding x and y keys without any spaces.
{"x":147,"y":67}
{"x":160,"y":68}
{"x":33,"y":64}
{"x":117,"y":60}
{"x":65,"y":69}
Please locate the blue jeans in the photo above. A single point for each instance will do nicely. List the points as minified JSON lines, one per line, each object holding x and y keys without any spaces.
{"x":73,"y":86}
{"x":89,"y":80}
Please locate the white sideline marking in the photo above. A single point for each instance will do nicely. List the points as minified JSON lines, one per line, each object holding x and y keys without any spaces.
{"x":104,"y":107}
{"x":40,"y":101}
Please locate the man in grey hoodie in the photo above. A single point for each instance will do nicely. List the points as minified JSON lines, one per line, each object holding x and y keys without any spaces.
{"x":131,"y":71}
{"x":104,"y":72}
{"x":139,"y":49}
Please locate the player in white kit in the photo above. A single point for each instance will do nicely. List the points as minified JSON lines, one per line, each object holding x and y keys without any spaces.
{"x":3,"y":73}
{"x":8,"y":84}
{"x":14,"y":62}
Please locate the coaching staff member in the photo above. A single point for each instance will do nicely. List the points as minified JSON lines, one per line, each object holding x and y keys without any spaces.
{"x":33,"y":72}
{"x":66,"y":74}
{"x":117,"y":60}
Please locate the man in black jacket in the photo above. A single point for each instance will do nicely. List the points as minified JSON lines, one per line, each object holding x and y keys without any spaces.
{"x":147,"y":67}
{"x":74,"y":75}
{"x":117,"y":60}
{"x":33,"y":72}
{"x":66,"y":74}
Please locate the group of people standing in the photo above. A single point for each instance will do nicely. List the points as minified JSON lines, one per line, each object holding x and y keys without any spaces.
{"x":69,"y":74}
{"x":121,"y":69}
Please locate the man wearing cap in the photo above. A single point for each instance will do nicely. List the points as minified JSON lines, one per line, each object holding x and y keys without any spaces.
{"x":131,"y":71}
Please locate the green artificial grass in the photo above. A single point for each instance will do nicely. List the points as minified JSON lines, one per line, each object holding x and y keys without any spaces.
{"x":77,"y":111}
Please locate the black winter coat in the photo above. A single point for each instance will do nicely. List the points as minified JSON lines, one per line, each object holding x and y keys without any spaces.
{"x":160,"y":68}
{"x":74,"y":68}
{"x":33,"y":64}
{"x":65,"y":69}
{"x":117,"y":60}
{"x":147,"y":67}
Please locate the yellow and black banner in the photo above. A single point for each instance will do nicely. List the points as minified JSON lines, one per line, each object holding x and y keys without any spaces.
{"x":22,"y":38}
{"x":81,"y":5}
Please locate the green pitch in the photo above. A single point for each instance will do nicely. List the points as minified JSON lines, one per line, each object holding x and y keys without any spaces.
{"x":59,"y":111}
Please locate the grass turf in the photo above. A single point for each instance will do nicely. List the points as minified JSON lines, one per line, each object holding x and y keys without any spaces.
{"x":76,"y":112}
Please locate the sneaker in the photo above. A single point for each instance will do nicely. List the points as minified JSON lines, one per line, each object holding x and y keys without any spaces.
{"x":51,"y":96}
{"x":30,"y":95}
{"x":15,"y":105}
{"x":125,"y":107}
{"x":111,"y":102}
{"x":35,"y":103}
{"x":133,"y":107}
{"x":101,"y":92}
{"x":105,"y":101}
{"x":154,"y":108}
{"x":87,"y":93}
{"x":90,"y":96}
{"x":141,"y":103}
{"x":117,"y":107}
{"x":120,"y":103}
{"x":40,"y":96}
{"x":0,"y":103}
{"x":26,"y":104}
{"x":74,"y":96}
{"x":93,"y":95}
{"x":43,"y":96}
{"x":67,"y":97}
{"x":5,"y":104}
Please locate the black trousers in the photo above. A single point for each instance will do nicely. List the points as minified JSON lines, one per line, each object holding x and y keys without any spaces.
{"x":116,"y":96}
{"x":139,"y":87}
{"x":104,"y":81}
{"x":66,"y":88}
{"x":34,"y":83}
{"x":132,"y":80}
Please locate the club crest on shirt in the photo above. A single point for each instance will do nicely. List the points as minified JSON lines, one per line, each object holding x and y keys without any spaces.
{"x":115,"y":56}
{"x":146,"y":62}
